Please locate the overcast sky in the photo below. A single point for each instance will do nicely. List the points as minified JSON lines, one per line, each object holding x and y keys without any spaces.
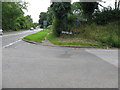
{"x":37,"y":6}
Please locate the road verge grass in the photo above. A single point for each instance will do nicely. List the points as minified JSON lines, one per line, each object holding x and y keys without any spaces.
{"x":93,"y":35}
{"x":72,"y":41}
{"x":37,"y":37}
{"x":106,"y":34}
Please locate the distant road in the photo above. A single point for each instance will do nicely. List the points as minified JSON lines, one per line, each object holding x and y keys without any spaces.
{"x":14,"y":37}
{"x":28,"y":65}
{"x":0,"y":62}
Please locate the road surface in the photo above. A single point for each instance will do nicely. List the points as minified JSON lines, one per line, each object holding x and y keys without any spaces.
{"x":28,"y":65}
{"x":0,"y":62}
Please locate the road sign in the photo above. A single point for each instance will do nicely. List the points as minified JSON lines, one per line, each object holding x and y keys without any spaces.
{"x":45,"y":23}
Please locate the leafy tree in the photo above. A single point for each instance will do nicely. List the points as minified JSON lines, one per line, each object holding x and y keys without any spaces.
{"x":20,"y":23}
{"x":76,"y":8}
{"x":24,"y":22}
{"x":60,"y":10}
{"x":106,"y":16}
{"x":13,"y":16}
{"x":0,"y":15}
{"x":29,"y":21}
{"x":35,"y":25}
{"x":50,"y":16}
{"x":42,"y":17}
{"x":88,"y":8}
{"x":10,"y":12}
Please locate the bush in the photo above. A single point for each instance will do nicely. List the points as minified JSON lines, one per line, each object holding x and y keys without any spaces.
{"x":106,"y":16}
{"x":106,"y":34}
{"x":49,"y":27}
{"x":57,"y":27}
{"x":60,"y":11}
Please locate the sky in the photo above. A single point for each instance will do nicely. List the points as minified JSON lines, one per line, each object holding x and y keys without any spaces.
{"x":37,"y":6}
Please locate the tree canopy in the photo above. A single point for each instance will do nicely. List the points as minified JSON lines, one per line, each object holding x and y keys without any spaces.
{"x":13,"y":16}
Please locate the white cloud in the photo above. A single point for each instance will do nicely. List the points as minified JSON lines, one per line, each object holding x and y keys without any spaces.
{"x":37,"y":6}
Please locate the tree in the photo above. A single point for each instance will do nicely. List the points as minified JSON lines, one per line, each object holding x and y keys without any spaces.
{"x":29,"y":21}
{"x":11,"y":13}
{"x":117,"y":4}
{"x":76,"y":8}
{"x":88,"y":8}
{"x":0,"y":15}
{"x":50,"y":16}
{"x":35,"y":25}
{"x":24,"y":22}
{"x":42,"y":17}
{"x":60,"y":11}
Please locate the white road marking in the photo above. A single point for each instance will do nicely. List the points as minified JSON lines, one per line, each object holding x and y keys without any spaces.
{"x":11,"y":43}
{"x":20,"y":37}
{"x":22,"y":33}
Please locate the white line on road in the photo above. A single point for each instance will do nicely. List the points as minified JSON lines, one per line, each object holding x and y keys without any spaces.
{"x":20,"y":37}
{"x":11,"y":43}
{"x":22,"y":33}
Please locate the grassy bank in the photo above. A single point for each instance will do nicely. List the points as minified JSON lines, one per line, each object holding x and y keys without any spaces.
{"x":37,"y":37}
{"x":91,"y":35}
{"x":71,"y":40}
{"x":106,"y":34}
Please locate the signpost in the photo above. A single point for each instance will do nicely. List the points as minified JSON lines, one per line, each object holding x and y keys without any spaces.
{"x":45,"y":23}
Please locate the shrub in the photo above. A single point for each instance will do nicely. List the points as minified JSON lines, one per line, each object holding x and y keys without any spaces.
{"x":106,"y":16}
{"x":60,"y":11}
{"x":49,"y":27}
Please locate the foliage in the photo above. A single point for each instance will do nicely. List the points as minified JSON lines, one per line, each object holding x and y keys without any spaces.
{"x":10,"y":12}
{"x":50,"y":27}
{"x":107,"y":34}
{"x":13,"y":16}
{"x":42,"y":17}
{"x":72,"y":41}
{"x":50,"y":16}
{"x":106,"y":16}
{"x":35,"y":25}
{"x":88,"y":8}
{"x":60,"y":10}
{"x":24,"y":22}
{"x":0,"y":15}
{"x":76,"y":8}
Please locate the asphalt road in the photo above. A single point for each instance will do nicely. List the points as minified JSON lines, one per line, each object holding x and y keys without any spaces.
{"x":28,"y":65}
{"x":0,"y":62}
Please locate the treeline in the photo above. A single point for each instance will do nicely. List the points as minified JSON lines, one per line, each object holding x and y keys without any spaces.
{"x":0,"y":15}
{"x":13,"y":16}
{"x":64,"y":16}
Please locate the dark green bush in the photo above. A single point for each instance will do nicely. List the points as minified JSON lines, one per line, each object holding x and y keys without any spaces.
{"x":60,"y":11}
{"x":106,"y":16}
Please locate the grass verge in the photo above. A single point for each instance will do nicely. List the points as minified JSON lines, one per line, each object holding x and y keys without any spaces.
{"x":68,"y":40}
{"x":93,"y":35}
{"x":106,"y":34}
{"x":37,"y":37}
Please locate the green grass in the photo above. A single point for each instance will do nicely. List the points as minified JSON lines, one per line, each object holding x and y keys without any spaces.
{"x":91,"y":35}
{"x":106,"y":34}
{"x":37,"y":37}
{"x":72,"y":41}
